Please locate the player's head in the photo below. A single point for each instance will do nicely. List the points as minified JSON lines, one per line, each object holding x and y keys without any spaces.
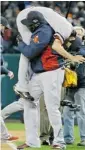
{"x":4,"y":24}
{"x":70,"y":40}
{"x":77,"y":36}
{"x":73,"y":43}
{"x":33,"y":20}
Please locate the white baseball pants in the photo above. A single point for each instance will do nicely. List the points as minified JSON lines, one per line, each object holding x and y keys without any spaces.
{"x":50,"y":84}
{"x":4,"y":135}
{"x":12,"y":108}
{"x":24,"y":74}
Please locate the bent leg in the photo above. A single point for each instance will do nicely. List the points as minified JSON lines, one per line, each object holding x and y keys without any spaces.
{"x":12,"y":108}
{"x":4,"y":132}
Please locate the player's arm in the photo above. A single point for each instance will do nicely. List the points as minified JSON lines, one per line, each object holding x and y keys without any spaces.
{"x":57,"y":46}
{"x":37,"y":44}
{"x":4,"y":70}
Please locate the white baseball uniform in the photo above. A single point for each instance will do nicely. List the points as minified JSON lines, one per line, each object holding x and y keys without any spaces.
{"x":4,"y":135}
{"x":24,"y":74}
{"x":49,"y":82}
{"x":12,"y":108}
{"x":61,"y":27}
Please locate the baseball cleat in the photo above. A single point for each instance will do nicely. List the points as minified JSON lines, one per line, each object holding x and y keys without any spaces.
{"x":45,"y":143}
{"x":22,"y":146}
{"x":13,"y":138}
{"x":82,"y":143}
{"x":25,"y":95}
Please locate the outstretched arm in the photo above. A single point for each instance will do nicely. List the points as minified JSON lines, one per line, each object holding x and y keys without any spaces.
{"x":57,"y":46}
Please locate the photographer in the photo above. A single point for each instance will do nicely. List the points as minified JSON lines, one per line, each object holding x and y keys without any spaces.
{"x":77,"y":96}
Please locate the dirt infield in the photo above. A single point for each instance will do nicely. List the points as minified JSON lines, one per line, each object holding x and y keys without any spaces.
{"x":21,"y":136}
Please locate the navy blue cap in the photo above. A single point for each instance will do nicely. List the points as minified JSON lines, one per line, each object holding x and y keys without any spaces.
{"x":33,"y":17}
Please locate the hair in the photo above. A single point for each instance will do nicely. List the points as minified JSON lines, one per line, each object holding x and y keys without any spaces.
{"x":76,"y":28}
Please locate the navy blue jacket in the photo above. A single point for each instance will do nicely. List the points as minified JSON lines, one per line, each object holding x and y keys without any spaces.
{"x":81,"y":69}
{"x":37,"y":45}
{"x":75,"y":46}
{"x":81,"y":75}
{"x":40,"y":52}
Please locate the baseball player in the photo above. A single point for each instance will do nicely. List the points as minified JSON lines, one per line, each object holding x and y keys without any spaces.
{"x":26,"y":35}
{"x":47,"y":76}
{"x":51,"y":17}
{"x":4,"y":132}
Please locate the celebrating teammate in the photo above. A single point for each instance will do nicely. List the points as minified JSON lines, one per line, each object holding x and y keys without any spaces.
{"x":4,"y":132}
{"x":46,"y":54}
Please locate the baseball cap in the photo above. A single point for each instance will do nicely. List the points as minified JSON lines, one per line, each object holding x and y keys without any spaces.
{"x":5,"y":23}
{"x":33,"y":17}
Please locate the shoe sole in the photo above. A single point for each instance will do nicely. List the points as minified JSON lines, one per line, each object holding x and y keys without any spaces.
{"x":16,"y":91}
{"x":19,"y":94}
{"x":12,"y":140}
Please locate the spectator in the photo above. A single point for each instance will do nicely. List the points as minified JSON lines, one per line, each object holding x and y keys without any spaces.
{"x":11,"y":9}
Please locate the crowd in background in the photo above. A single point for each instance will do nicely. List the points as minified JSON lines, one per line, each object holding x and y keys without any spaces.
{"x":10,"y":10}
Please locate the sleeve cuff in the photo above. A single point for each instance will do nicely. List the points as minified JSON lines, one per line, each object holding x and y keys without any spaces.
{"x":59,"y":36}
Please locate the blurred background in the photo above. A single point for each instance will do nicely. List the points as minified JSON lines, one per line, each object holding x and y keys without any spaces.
{"x":10,"y":10}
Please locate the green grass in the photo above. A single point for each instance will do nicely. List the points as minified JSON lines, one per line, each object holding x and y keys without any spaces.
{"x":15,"y":126}
{"x":19,"y":126}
